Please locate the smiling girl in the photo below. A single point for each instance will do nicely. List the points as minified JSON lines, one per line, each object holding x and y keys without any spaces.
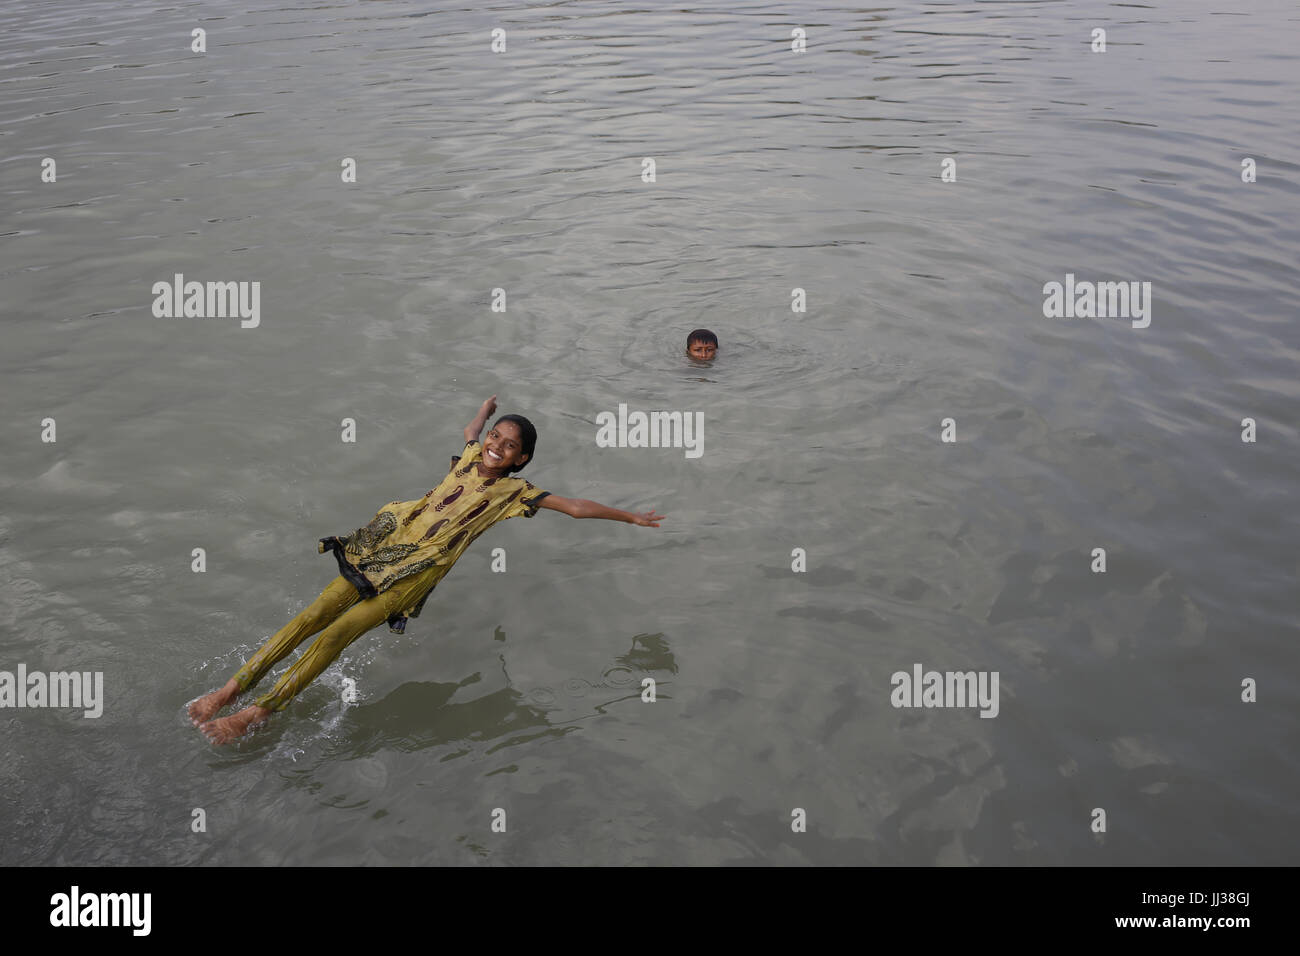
{"x":388,"y":568}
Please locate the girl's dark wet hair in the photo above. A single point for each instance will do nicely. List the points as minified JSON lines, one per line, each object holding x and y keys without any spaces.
{"x":527,"y":437}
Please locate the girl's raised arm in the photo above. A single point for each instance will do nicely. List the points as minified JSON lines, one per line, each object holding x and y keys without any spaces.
{"x":582,"y":508}
{"x":475,"y":428}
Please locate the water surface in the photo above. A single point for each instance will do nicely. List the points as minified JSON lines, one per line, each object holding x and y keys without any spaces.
{"x":774,"y":171}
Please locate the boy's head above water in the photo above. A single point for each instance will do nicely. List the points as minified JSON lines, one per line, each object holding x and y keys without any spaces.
{"x":510,"y":443}
{"x":702,"y":344}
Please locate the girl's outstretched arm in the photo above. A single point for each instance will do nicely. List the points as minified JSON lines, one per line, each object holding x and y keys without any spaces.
{"x":582,"y":508}
{"x":475,"y":428}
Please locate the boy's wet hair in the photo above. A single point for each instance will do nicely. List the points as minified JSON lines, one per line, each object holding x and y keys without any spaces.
{"x":702,"y":335}
{"x":527,"y":437}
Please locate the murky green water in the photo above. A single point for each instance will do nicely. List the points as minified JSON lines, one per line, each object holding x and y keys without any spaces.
{"x":774,"y":170}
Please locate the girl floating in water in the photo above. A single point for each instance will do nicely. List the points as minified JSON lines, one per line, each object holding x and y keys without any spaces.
{"x":388,"y":568}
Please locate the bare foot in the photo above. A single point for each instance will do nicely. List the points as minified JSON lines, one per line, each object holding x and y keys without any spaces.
{"x":205,"y":708}
{"x":230,"y":728}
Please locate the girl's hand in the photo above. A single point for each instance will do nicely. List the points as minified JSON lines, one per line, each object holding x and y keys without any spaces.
{"x":647,"y":520}
{"x":488,"y":407}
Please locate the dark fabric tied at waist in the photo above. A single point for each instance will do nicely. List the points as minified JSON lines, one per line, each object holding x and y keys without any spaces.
{"x":349,"y":573}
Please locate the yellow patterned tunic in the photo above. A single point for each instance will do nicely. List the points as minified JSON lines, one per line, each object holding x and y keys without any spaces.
{"x":426,"y":536}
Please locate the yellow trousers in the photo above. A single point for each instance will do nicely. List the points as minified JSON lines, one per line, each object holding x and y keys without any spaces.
{"x":341,"y":617}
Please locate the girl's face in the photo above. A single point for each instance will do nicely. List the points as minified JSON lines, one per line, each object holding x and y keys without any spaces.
{"x":503,"y":447}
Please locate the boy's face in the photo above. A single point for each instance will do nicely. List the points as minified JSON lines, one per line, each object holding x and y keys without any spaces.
{"x":703,"y":351}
